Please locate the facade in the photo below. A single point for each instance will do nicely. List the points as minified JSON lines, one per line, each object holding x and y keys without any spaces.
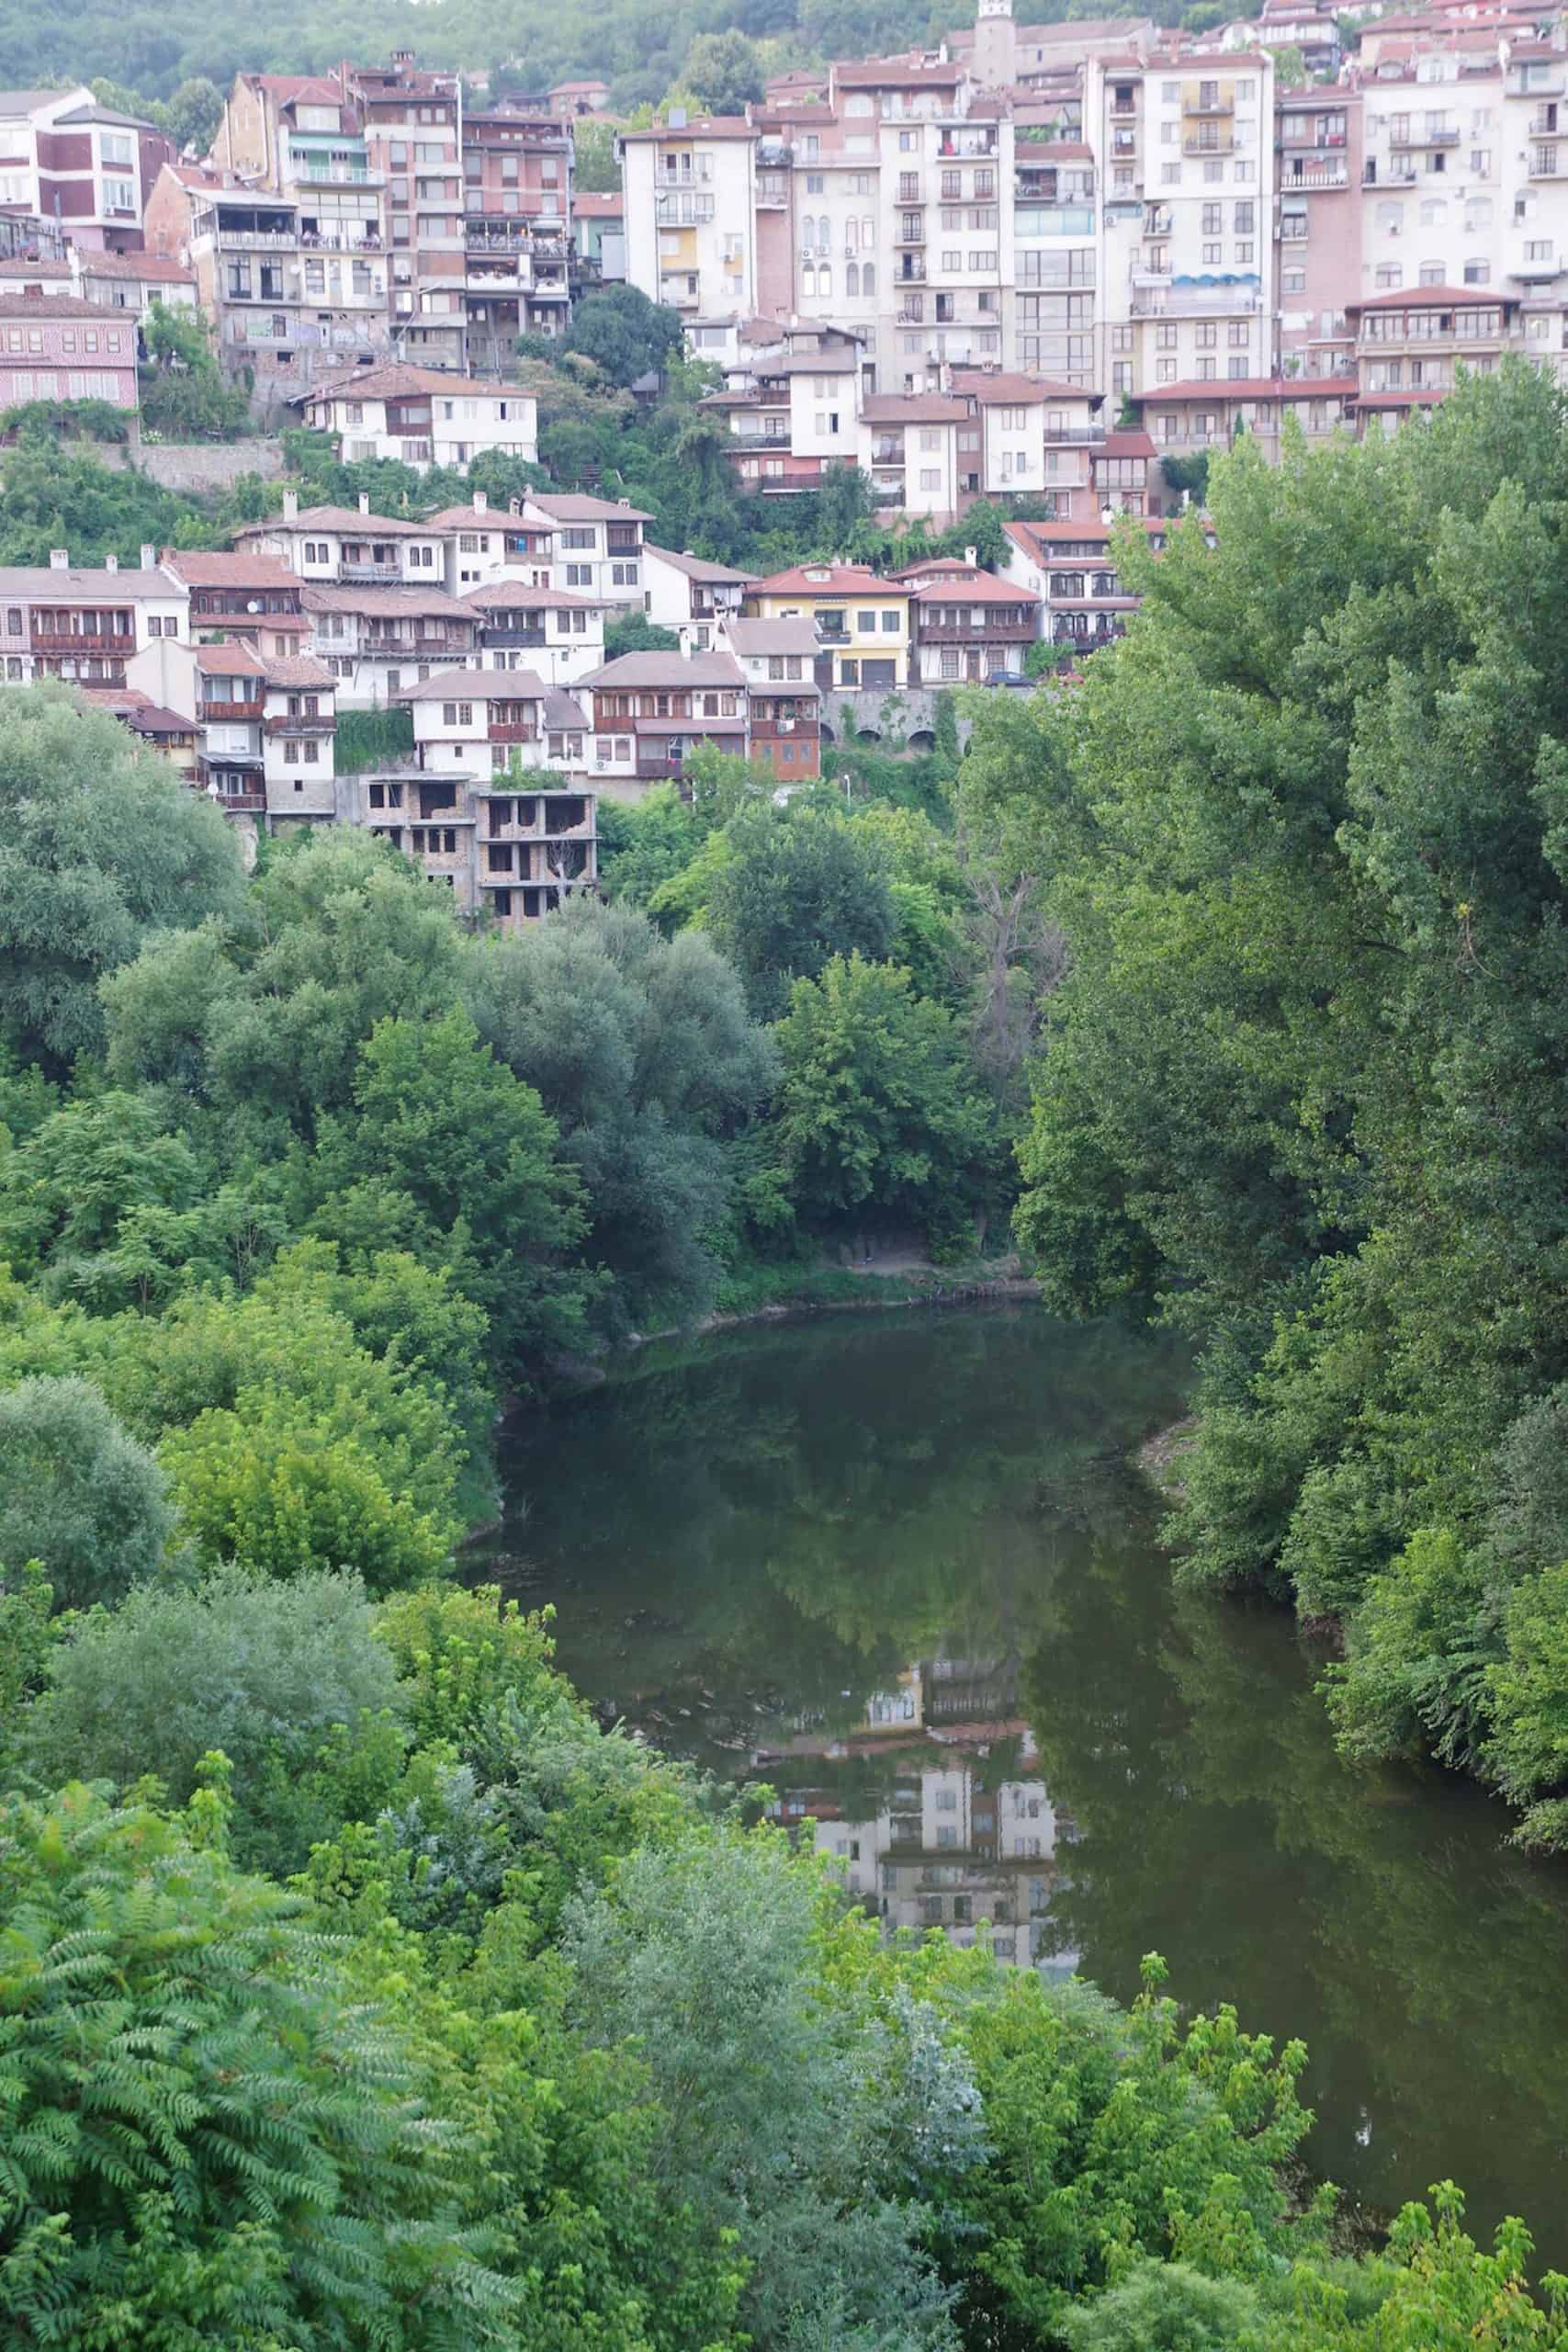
{"x":170,"y":733}
{"x":969,"y":627}
{"x":381,"y":642}
{"x":689,"y":593}
{"x":481,"y":542}
{"x":55,"y":348}
{"x":861,"y":623}
{"x":343,"y":546}
{"x":66,"y":159}
{"x":599,"y":237}
{"x":1185,"y":418}
{"x":422,"y":417}
{"x":649,"y":710}
{"x":252,"y":597}
{"x":517,"y":217}
{"x":133,"y":282}
{"x":86,"y":627}
{"x":1070,"y":567}
{"x":690,"y":191}
{"x":596,"y":544}
{"x":548,"y":631}
{"x":777,"y":660}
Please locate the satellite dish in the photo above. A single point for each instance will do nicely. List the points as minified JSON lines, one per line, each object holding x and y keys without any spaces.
{"x":254,"y":606}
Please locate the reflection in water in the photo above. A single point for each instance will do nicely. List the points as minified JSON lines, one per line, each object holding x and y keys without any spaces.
{"x":904,"y":1570}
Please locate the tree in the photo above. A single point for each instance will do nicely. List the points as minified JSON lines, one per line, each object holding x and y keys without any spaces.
{"x":78,"y":1493}
{"x":625,"y":333}
{"x":100,"y":846}
{"x":635,"y":633}
{"x":263,"y":1670}
{"x":1289,"y":68}
{"x":724,"y":72}
{"x":203,"y":2126}
{"x":876,"y":1109}
{"x":192,"y":116}
{"x":785,"y":891}
{"x":597,"y":169}
{"x":643,"y":1054}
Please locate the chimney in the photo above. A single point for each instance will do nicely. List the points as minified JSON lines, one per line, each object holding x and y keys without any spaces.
{"x":148,"y":555}
{"x":60,"y":558}
{"x":111,"y":563}
{"x":290,"y":505}
{"x":515,"y":506}
{"x":365,"y":502}
{"x":481,"y":502}
{"x":623,"y":502}
{"x":972,"y":557}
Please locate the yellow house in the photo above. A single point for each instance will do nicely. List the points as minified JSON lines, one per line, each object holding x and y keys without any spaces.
{"x":863,"y":623}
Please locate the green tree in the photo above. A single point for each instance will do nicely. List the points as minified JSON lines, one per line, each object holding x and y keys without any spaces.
{"x":624,"y":333}
{"x":100,"y":846}
{"x":597,"y":168}
{"x":635,"y":633}
{"x":876,"y":1108}
{"x":724,"y":72}
{"x":786,"y":890}
{"x":78,"y":1493}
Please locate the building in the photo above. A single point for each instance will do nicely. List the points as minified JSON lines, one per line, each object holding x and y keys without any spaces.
{"x":1035,"y":437}
{"x":56,"y":347}
{"x":380,"y":642}
{"x":171,"y":733}
{"x":85,"y":625}
{"x":692,"y":594}
{"x":410,"y":122}
{"x":1409,"y":344}
{"x":917,"y":446}
{"x":861,"y":623}
{"x":346,"y":546}
{"x":133,"y":282}
{"x":549,"y":630}
{"x":567,"y":100}
{"x":220,"y":688}
{"x":1319,"y":203}
{"x":1185,"y":418}
{"x":690,"y":190}
{"x":652,"y":710}
{"x":599,"y":238}
{"x":968,"y":625}
{"x":517,"y":220}
{"x":1071,"y":569}
{"x":422,"y":417}
{"x":778,"y":660}
{"x":66,"y":159}
{"x":597,"y":543}
{"x":480,"y":542}
{"x":252,"y":597}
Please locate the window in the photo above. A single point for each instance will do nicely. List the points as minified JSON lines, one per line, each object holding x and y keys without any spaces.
{"x":930,"y":478}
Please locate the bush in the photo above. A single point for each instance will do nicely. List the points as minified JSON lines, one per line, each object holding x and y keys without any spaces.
{"x":78,"y":1493}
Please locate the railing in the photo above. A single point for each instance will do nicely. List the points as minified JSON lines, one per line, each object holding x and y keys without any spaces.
{"x":531,"y":637}
{"x":993,"y":630}
{"x":62,"y":641}
{"x":1088,"y":431}
{"x":270,"y":238}
{"x":322,"y":723}
{"x":912,"y":273}
{"x":1184,"y":301}
{"x":333,"y":175}
{"x":241,"y":804}
{"x":512,"y":731}
{"x":1546,"y":164}
{"x":967,"y":146}
{"x":1423,"y":139}
{"x":1334,"y":172}
{"x":1194,"y":143}
{"x":209,"y":712}
{"x":887,"y":453}
{"x":1217,"y":104}
{"x":370,"y":574}
{"x":1372,"y":177}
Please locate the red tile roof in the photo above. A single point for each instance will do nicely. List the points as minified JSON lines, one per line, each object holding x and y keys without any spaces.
{"x":1250,"y":388}
{"x":829,"y":579}
{"x":156,"y":268}
{"x":1422,"y":297}
{"x":222,"y":571}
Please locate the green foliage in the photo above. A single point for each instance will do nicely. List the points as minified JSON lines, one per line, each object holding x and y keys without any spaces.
{"x":76,"y":1493}
{"x":372,"y":738}
{"x":624,"y":333}
{"x":786,"y":890}
{"x":100,"y":846}
{"x":632,"y":632}
{"x":724,"y":72}
{"x":66,"y":420}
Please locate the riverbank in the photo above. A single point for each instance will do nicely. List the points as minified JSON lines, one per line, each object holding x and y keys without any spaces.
{"x":890,"y":1280}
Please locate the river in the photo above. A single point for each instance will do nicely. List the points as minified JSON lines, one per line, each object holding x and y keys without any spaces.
{"x":904,"y":1568}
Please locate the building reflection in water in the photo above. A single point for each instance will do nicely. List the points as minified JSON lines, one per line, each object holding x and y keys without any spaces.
{"x":933,"y":1811}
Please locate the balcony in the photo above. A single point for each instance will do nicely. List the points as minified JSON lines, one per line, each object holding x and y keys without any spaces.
{"x":979,"y":145}
{"x":1329,"y":171}
{"x":1391,"y":176}
{"x":1222,"y":142}
{"x":1088,"y":431}
{"x":1059,"y":220}
{"x":334,"y":174}
{"x":114,"y":643}
{"x":1177,"y":301}
{"x":214,"y":713}
{"x":1412,"y":138}
{"x":887,"y":453}
{"x":340,"y":241}
{"x":272,"y":239}
{"x":1549,"y":162}
{"x":512,"y":731}
{"x":321,"y":722}
{"x":368,"y":575}
{"x":911,"y":271}
{"x":995,"y":630}
{"x":241,"y":804}
{"x":1216,"y":103}
{"x":533,"y":640}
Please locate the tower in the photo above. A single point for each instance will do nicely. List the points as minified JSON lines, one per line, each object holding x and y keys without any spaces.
{"x":996,"y":45}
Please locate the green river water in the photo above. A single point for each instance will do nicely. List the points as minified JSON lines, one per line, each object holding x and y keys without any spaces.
{"x":904,"y":1567}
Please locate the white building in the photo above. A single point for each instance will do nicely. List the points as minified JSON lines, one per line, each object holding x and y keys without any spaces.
{"x":422,"y":417}
{"x":597,"y":544}
{"x":340,"y":544}
{"x":689,"y":593}
{"x":380,"y":642}
{"x":549,"y":630}
{"x":690,"y":190}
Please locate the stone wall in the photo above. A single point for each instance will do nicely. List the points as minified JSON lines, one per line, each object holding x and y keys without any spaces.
{"x":198,"y":467}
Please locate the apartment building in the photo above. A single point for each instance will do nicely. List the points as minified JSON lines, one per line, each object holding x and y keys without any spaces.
{"x":597,"y":543}
{"x":1318,"y":200}
{"x":347,"y":546}
{"x":68,"y":160}
{"x":650,"y":710}
{"x":56,"y":347}
{"x":264,"y":722}
{"x":1409,"y":344}
{"x":58,"y":621}
{"x":1037,"y":437}
{"x":517,"y":221}
{"x":1052,"y":328}
{"x":1186,"y":248}
{"x":1185,"y":418}
{"x":411,"y":127}
{"x":862,"y":622}
{"x":777,"y":660}
{"x":690,"y":192}
{"x":380,"y":642}
{"x":689,"y":593}
{"x":422,"y":416}
{"x":917,"y":447}
{"x":1071,"y":569}
{"x":549,"y":630}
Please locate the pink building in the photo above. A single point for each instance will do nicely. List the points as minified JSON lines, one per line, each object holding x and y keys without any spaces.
{"x":53,"y":347}
{"x":1318,"y":166}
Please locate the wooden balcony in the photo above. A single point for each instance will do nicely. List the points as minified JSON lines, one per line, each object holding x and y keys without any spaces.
{"x":512,"y":731}
{"x":113,"y":643}
{"x":213,"y":712}
{"x":999,"y":628}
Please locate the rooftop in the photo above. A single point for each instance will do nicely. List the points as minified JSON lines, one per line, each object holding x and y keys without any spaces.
{"x":396,"y":380}
{"x":221,"y":569}
{"x":667,"y":670}
{"x":476,"y":685}
{"x":298,"y":669}
{"x":519,"y":596}
{"x":829,"y":579}
{"x":334,"y":519}
{"x":389,"y":602}
{"x":755,"y":638}
{"x":578,"y":507}
{"x":697,"y":567}
{"x":154,"y":268}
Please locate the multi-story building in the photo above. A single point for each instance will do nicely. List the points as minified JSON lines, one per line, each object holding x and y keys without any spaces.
{"x":688,"y":594}
{"x":968,"y":625}
{"x":264,"y":725}
{"x":411,"y":124}
{"x":1409,"y":344}
{"x":341,"y":546}
{"x":481,"y":542}
{"x":1186,"y":249}
{"x":517,"y":216}
{"x":175,"y":737}
{"x":862,"y":622}
{"x":599,"y":239}
{"x":1055,"y":261}
{"x":85,"y":625}
{"x":946,"y":218}
{"x":55,"y":348}
{"x":912,"y":446}
{"x":422,"y":417}
{"x":252,"y":597}
{"x":1037,"y":438}
{"x":380,"y":642}
{"x":1072,"y":571}
{"x":650,"y":710}
{"x":1185,"y":418}
{"x":597,"y":544}
{"x":784,"y":701}
{"x":66,"y":159}
{"x":689,"y":189}
{"x":549,"y":630}
{"x":1318,"y":200}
